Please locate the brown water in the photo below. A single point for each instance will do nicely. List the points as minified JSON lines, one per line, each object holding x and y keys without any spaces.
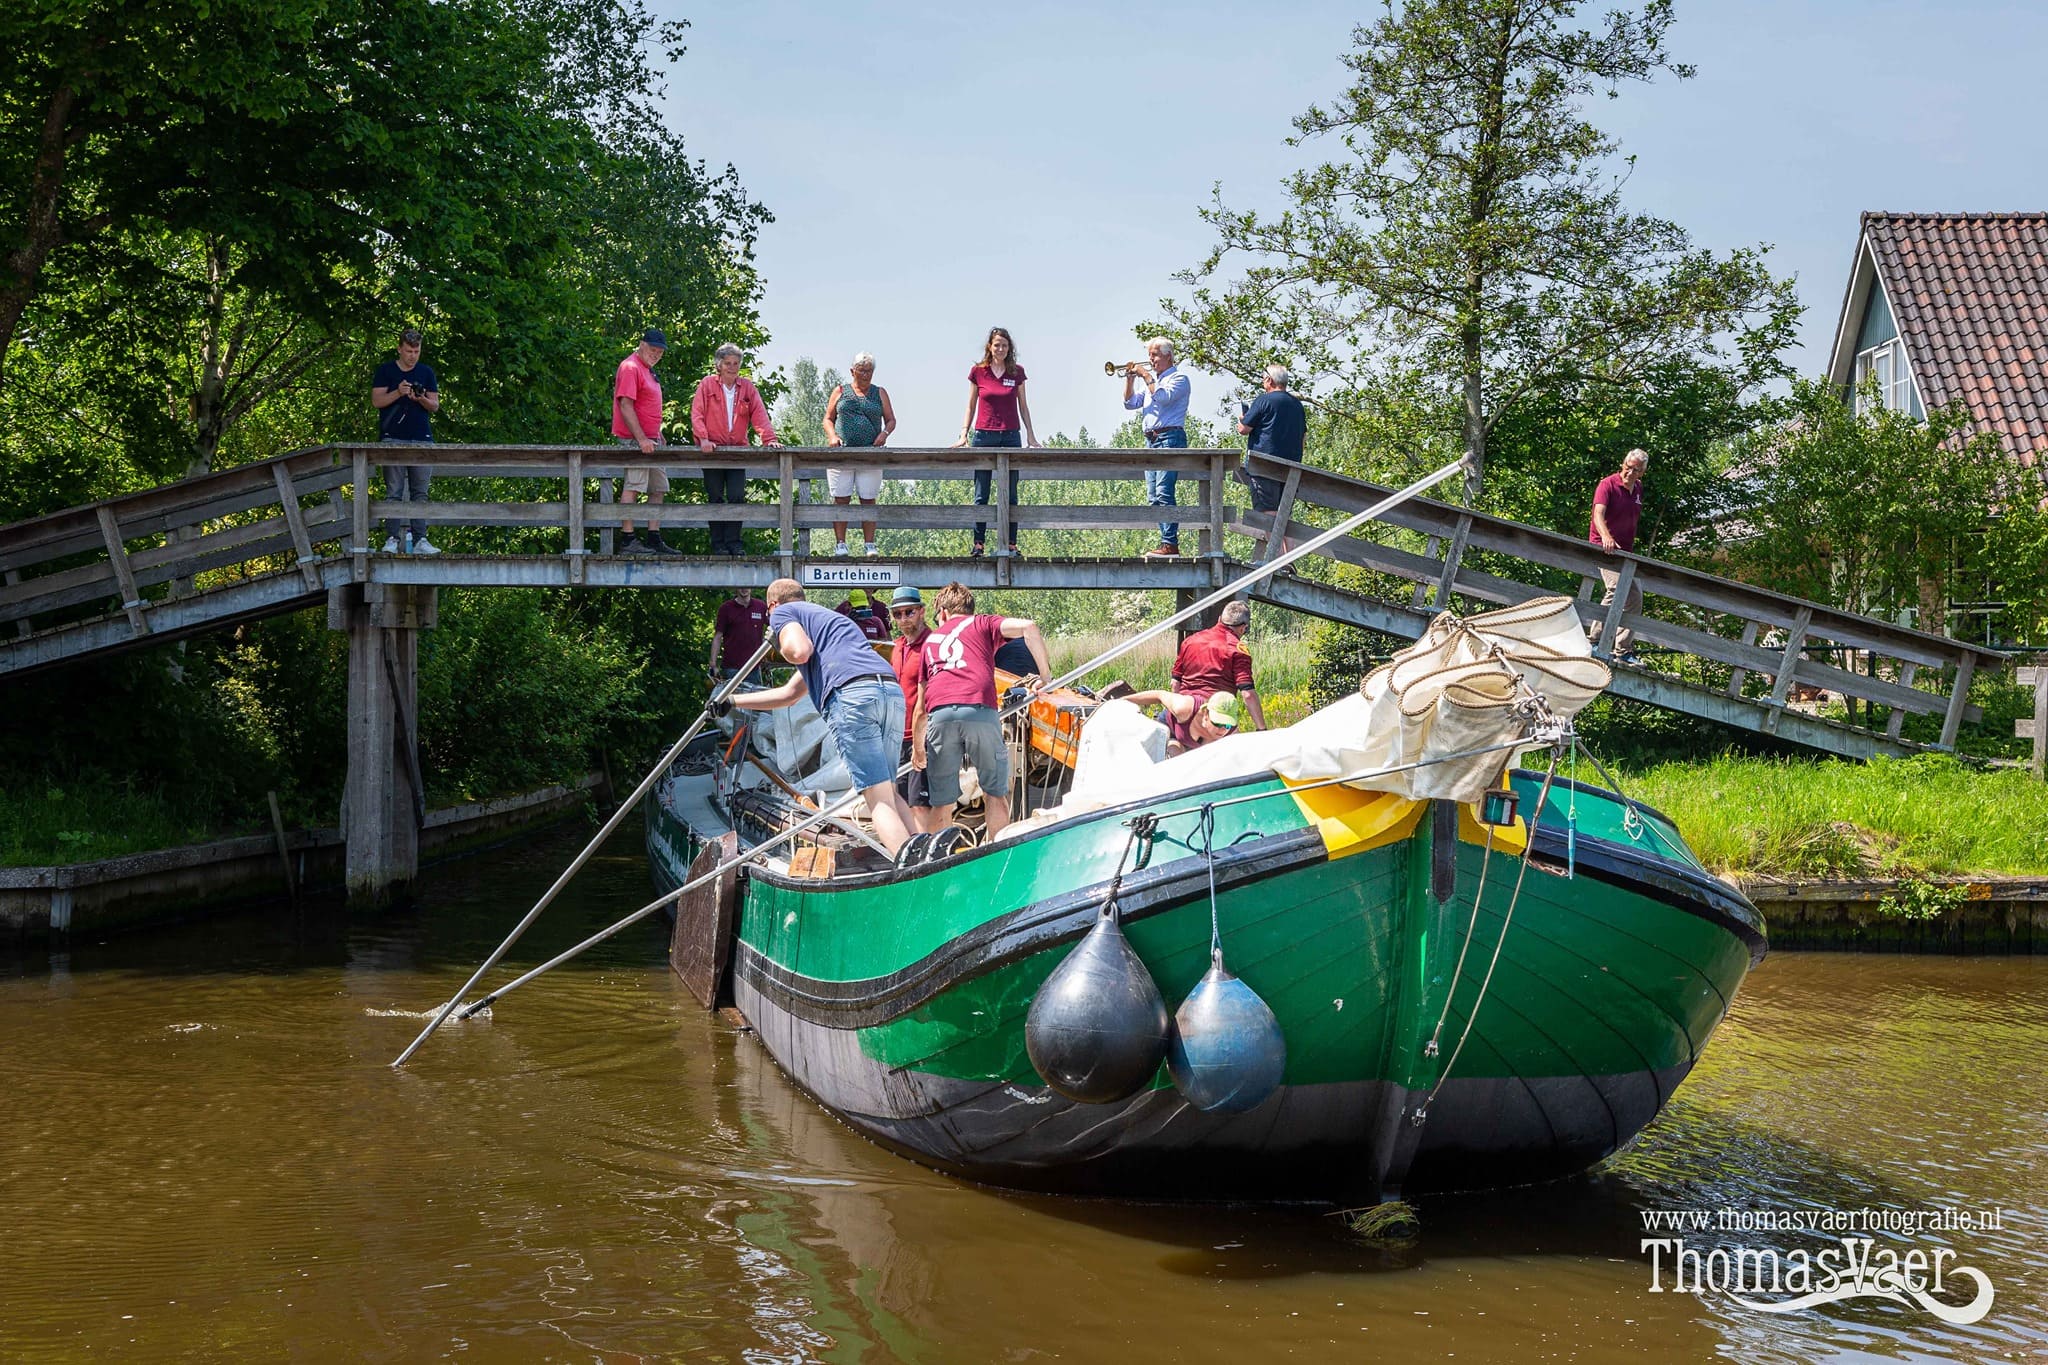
{"x":205,"y":1156}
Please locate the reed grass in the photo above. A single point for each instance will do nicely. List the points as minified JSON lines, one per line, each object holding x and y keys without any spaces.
{"x":87,"y":820}
{"x":1928,"y":815}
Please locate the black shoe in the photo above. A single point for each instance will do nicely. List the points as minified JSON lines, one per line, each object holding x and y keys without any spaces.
{"x":635,"y":546}
{"x":659,"y":546}
{"x":977,"y":552}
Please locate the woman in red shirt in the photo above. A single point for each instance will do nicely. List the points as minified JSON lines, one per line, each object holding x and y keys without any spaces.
{"x":997,"y":415}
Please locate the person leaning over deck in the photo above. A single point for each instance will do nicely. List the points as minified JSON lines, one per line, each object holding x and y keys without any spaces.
{"x":1215,"y":660}
{"x":857,"y":608}
{"x":406,"y":396}
{"x":853,"y":688}
{"x":724,"y":410}
{"x":857,"y":414}
{"x":962,"y":729}
{"x":1277,"y":425}
{"x":906,"y":614}
{"x":1191,"y":722}
{"x":741,"y":626}
{"x":1617,"y":508}
{"x":999,"y":416}
{"x":636,"y":421}
{"x":1163,"y":416}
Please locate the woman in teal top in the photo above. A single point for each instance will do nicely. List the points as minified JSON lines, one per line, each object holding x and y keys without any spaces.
{"x":858,"y":414}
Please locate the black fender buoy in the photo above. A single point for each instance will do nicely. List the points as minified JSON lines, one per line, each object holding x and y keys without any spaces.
{"x":1227,"y":1052}
{"x":912,"y":851}
{"x":1097,"y":1028}
{"x":944,"y":843}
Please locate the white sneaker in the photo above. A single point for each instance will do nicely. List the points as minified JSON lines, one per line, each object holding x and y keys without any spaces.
{"x":391,"y":545}
{"x":839,"y":550}
{"x":873,"y":549}
{"x":424,"y":546}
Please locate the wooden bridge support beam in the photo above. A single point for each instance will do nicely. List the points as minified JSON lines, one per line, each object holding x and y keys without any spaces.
{"x":383,"y":802}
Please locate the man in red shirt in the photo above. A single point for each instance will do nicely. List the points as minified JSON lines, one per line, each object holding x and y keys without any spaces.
{"x":1617,"y":508}
{"x":1215,"y":660}
{"x":961,"y":728}
{"x":741,"y":626}
{"x":724,"y":409}
{"x":636,"y":421}
{"x":906,"y":614}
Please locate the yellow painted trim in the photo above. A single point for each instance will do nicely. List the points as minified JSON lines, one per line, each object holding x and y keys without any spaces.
{"x":1352,"y":821}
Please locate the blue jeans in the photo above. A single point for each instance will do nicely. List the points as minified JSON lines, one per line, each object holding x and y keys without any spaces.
{"x":1161,"y":483}
{"x":866,"y":720}
{"x":985,"y":479}
{"x":407,"y":483}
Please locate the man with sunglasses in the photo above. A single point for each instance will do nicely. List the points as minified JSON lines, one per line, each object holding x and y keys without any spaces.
{"x":906,"y":614}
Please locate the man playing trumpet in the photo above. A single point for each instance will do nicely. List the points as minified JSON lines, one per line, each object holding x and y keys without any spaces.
{"x":1163,"y":416}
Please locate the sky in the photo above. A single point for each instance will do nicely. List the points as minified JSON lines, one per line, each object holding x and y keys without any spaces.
{"x":936,"y":169}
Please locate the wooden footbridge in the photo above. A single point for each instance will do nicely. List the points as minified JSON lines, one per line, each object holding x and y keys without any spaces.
{"x":302,"y":530}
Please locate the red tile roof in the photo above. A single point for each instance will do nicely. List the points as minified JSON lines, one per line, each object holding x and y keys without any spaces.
{"x":1970,"y":293}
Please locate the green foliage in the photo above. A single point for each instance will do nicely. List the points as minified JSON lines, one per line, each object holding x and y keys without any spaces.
{"x":1924,"y":816}
{"x":1920,"y":900}
{"x":1472,"y":240}
{"x":800,"y":416}
{"x":1861,"y":510}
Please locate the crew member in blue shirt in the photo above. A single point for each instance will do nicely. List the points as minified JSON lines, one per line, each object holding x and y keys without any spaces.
{"x":853,"y":687}
{"x":1275,"y":424}
{"x":1163,"y":415}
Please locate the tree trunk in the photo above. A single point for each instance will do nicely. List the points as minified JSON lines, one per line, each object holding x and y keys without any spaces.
{"x":1475,"y":416}
{"x":41,"y":230}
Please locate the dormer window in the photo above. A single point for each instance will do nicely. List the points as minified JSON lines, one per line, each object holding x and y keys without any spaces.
{"x":1894,"y":380}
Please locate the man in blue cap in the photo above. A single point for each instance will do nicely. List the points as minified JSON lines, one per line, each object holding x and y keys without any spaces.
{"x":636,"y":421}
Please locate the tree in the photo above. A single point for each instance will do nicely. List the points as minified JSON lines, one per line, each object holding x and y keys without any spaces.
{"x":1863,"y":510}
{"x":800,"y":416}
{"x":1474,"y":232}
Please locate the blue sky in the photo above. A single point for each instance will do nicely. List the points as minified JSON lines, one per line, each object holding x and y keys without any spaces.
{"x":935,"y":169}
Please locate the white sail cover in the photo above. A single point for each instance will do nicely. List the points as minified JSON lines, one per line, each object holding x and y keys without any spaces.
{"x":1466,"y":684}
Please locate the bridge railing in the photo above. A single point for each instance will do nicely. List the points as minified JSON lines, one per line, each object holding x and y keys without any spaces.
{"x":1719,"y":620}
{"x":316,"y":511}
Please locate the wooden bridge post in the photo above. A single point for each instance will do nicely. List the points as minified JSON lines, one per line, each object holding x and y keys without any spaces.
{"x":383,"y":802}
{"x":1958,"y":701}
{"x":785,"y":518}
{"x":575,"y":550}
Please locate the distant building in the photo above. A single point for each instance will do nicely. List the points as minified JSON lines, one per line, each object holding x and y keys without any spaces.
{"x":1948,"y":307}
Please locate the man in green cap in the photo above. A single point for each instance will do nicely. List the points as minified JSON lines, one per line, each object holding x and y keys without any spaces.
{"x":857,"y":610}
{"x":1192,"y":722}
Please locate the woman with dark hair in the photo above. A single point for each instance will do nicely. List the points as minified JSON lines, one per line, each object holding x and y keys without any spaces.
{"x":997,"y":415}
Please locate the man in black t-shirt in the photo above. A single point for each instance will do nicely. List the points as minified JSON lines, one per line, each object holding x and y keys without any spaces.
{"x":406,"y":396}
{"x":1276,"y":424}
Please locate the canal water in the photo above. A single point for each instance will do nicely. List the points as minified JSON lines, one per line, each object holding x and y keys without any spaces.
{"x":205,"y":1156}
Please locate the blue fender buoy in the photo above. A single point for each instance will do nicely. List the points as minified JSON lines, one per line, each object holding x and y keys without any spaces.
{"x":1097,"y":1027}
{"x":1227,"y":1052}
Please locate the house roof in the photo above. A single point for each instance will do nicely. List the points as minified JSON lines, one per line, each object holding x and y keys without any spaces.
{"x":1970,"y":294}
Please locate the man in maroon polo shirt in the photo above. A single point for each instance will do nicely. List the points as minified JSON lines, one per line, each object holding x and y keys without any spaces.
{"x":1617,"y":508}
{"x":906,"y":614}
{"x":1215,"y":660}
{"x":741,"y":626}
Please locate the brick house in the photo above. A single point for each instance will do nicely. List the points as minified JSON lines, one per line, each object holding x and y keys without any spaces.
{"x":1947,"y":307}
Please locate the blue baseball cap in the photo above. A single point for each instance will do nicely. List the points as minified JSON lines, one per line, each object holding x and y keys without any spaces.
{"x":906,"y":596}
{"x":653,"y":337}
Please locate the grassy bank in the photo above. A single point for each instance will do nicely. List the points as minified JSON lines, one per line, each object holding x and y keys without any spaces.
{"x":1806,"y":818}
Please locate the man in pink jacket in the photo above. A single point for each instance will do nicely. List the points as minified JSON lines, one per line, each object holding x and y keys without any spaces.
{"x":726,"y":407}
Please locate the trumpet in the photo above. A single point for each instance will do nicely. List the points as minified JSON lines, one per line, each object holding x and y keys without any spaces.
{"x":1115,"y":370}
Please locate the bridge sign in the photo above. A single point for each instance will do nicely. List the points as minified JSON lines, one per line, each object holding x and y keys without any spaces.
{"x":852,"y":574}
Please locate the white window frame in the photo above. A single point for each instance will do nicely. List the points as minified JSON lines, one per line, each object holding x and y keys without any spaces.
{"x":1887,"y":361}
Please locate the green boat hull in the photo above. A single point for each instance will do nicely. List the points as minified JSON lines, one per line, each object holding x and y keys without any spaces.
{"x":1455,"y":1015}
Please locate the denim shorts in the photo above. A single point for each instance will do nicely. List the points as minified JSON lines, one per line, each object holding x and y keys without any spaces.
{"x":958,"y":737}
{"x":866,"y":719}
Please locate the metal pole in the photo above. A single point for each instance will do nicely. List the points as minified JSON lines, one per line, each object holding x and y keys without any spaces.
{"x":810,"y":822}
{"x":718,"y":694}
{"x":1262,"y":571}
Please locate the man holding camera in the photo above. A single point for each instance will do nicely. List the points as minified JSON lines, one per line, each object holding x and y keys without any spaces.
{"x":406,"y":396}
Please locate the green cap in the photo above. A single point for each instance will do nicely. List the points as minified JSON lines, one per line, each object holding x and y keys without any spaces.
{"x":1222,"y":710}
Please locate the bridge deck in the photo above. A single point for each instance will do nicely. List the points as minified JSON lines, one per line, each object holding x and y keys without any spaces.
{"x":278,"y":536}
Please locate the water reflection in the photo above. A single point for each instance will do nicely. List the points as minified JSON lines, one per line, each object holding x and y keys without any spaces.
{"x":206,"y":1154}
